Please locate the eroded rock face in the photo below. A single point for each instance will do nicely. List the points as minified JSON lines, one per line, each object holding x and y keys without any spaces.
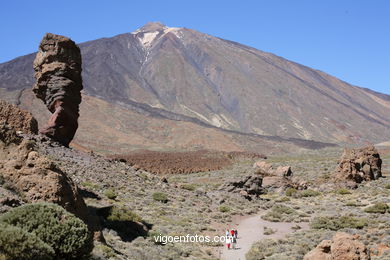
{"x":342,"y":246}
{"x":13,"y":120}
{"x":359,"y":165}
{"x":39,"y":179}
{"x":58,"y":84}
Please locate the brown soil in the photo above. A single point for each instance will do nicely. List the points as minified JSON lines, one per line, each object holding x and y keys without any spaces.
{"x":182,"y":162}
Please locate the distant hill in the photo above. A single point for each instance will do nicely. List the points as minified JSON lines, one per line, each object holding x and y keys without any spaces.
{"x":178,"y":78}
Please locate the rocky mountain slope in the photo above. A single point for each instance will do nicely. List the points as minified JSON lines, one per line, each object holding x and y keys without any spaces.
{"x":196,"y":80}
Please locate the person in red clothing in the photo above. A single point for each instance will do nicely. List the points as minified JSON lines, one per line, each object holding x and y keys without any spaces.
{"x":232,"y":232}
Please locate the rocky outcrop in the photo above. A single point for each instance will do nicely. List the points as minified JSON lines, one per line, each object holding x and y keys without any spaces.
{"x":342,"y":246}
{"x":357,"y":165}
{"x":58,"y":84}
{"x":14,"y":120}
{"x":39,"y":179}
{"x":249,"y":186}
{"x":278,"y":179}
{"x":267,"y":169}
{"x":17,"y":119}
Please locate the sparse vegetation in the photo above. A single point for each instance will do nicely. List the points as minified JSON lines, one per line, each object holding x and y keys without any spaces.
{"x":309,"y":193}
{"x":111,"y":194}
{"x":291,"y":192}
{"x":380,"y":207}
{"x":121,"y":213}
{"x":189,"y":186}
{"x":337,"y":223}
{"x":268,"y":231}
{"x":160,"y":196}
{"x":224,"y":208}
{"x":342,"y":191}
{"x":280,"y":212}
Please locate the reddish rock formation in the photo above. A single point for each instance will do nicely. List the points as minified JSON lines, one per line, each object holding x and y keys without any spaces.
{"x":58,"y":84}
{"x":357,"y":165}
{"x":342,"y":246}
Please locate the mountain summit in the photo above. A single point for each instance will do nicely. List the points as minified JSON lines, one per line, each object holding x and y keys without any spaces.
{"x":185,"y":75}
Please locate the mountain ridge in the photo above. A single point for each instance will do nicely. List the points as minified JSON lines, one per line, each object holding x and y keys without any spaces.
{"x":186,"y":75}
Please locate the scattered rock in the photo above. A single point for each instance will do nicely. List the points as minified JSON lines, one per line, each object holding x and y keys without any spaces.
{"x":58,"y":84}
{"x":342,"y":246}
{"x":357,"y":165}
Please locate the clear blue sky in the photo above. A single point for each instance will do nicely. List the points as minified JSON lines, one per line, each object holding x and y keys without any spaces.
{"x":349,"y":39}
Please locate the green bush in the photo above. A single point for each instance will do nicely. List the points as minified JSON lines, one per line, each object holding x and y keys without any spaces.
{"x":224,"y":208}
{"x":123,"y":214}
{"x":61,"y":230}
{"x":279,"y":213}
{"x":343,"y":191}
{"x":378,"y":208}
{"x":291,"y":192}
{"x":15,"y":243}
{"x":188,"y":186}
{"x":309,"y":193}
{"x":387,"y":186}
{"x":337,"y":223}
{"x":160,"y":196}
{"x":111,"y":194}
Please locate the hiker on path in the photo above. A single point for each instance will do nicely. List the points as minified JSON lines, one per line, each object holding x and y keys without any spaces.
{"x":228,"y":241}
{"x":234,"y":242}
{"x":232,"y":233}
{"x":236,"y":233}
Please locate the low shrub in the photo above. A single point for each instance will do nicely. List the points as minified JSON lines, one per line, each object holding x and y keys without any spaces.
{"x":378,"y":208}
{"x":337,"y":223}
{"x":309,"y":193}
{"x":111,"y":194}
{"x":268,"y":231}
{"x":160,"y":196}
{"x":279,"y":213}
{"x":342,"y":191}
{"x":224,"y":208}
{"x":15,"y":243}
{"x":188,"y":186}
{"x":123,"y":214}
{"x":291,"y":192}
{"x":387,"y":186}
{"x":66,"y":234}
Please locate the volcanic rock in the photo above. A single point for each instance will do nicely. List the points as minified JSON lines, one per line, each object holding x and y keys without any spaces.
{"x":14,"y":120}
{"x":40,"y":179}
{"x":17,"y":118}
{"x":58,"y":84}
{"x":359,"y":165}
{"x":249,"y":186}
{"x":342,"y":246}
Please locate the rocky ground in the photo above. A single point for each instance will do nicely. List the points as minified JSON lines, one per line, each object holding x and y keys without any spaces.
{"x":134,"y":205}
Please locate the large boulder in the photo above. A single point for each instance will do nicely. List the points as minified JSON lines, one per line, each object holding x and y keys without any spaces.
{"x":357,"y":165}
{"x":58,"y":84}
{"x":38,"y":178}
{"x":249,"y":186}
{"x":342,"y":246}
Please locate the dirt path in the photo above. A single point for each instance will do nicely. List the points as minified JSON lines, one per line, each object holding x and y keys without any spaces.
{"x":250,"y":229}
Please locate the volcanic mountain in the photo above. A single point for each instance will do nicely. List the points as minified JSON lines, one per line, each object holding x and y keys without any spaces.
{"x":165,"y":87}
